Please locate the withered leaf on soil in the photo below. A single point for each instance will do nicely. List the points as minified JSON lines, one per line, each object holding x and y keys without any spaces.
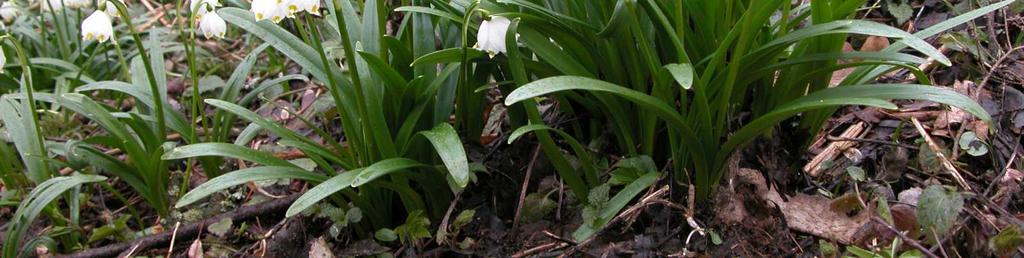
{"x":810,"y":214}
{"x":196,"y":249}
{"x":320,"y":249}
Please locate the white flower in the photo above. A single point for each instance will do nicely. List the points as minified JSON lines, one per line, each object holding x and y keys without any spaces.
{"x":310,"y":6}
{"x":212,"y":25}
{"x":202,"y":8}
{"x":110,"y":8}
{"x":8,"y":11}
{"x":56,"y":5}
{"x":491,"y":35}
{"x":97,"y":26}
{"x":275,"y":10}
{"x":53,"y":5}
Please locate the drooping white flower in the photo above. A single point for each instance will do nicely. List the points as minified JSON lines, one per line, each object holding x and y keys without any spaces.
{"x":212,"y":25}
{"x":97,"y":26}
{"x":110,"y":8}
{"x":203,"y":6}
{"x":275,"y":10}
{"x":8,"y":11}
{"x":491,"y":35}
{"x":309,"y":6}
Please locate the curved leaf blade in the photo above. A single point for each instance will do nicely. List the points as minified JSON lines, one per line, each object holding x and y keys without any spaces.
{"x":321,"y":191}
{"x":225,"y":150}
{"x":242,"y":176}
{"x":449,"y":147}
{"x":382,"y":168}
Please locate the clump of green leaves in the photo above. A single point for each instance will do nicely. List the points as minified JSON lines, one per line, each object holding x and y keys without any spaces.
{"x":669,"y":78}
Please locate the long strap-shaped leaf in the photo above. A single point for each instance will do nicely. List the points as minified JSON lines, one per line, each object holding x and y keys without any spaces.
{"x":281,"y":131}
{"x":225,"y":150}
{"x":242,"y":176}
{"x":871,"y":95}
{"x":353,"y":178}
{"x":15,"y":116}
{"x":39,"y":198}
{"x":577,"y":147}
{"x":666,"y":112}
{"x":615,"y":205}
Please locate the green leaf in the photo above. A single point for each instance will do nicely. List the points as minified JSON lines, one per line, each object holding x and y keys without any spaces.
{"x":242,"y":176}
{"x":447,"y":144}
{"x":628,"y":170}
{"x":975,"y":147}
{"x":225,"y":150}
{"x":858,"y":27}
{"x":582,"y":153}
{"x":937,"y":209}
{"x":565,"y":83}
{"x":535,"y":207}
{"x":865,"y":74}
{"x":451,"y":55}
{"x":282,"y":40}
{"x":615,"y":205}
{"x":382,"y":168}
{"x":17,"y":121}
{"x":321,"y":191}
{"x":682,"y":73}
{"x":901,"y":11}
{"x":1007,"y":241}
{"x":40,"y":197}
{"x":856,"y":173}
{"x":862,"y":253}
{"x":385,"y":235}
{"x":431,"y":11}
{"x":304,"y":143}
{"x":876,"y":95}
{"x":416,"y":227}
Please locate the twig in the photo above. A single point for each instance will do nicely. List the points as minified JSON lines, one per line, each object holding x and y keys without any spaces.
{"x":908,"y":146}
{"x":938,"y":153}
{"x":174,"y":236}
{"x":540,"y":248}
{"x":906,"y":239}
{"x":834,"y":149}
{"x":526,"y":182}
{"x":189,"y":231}
{"x":558,"y":238}
{"x":447,"y":215}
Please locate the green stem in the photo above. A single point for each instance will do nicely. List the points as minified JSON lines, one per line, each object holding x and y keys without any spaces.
{"x":88,"y":63}
{"x":356,"y":81}
{"x":61,"y":31}
{"x":158,"y":101}
{"x":331,"y":81}
{"x":120,"y":59}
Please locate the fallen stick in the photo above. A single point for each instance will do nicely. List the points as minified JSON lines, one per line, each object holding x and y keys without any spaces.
{"x":186,"y":232}
{"x":907,"y":240}
{"x":942,"y":157}
{"x":835,"y":148}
